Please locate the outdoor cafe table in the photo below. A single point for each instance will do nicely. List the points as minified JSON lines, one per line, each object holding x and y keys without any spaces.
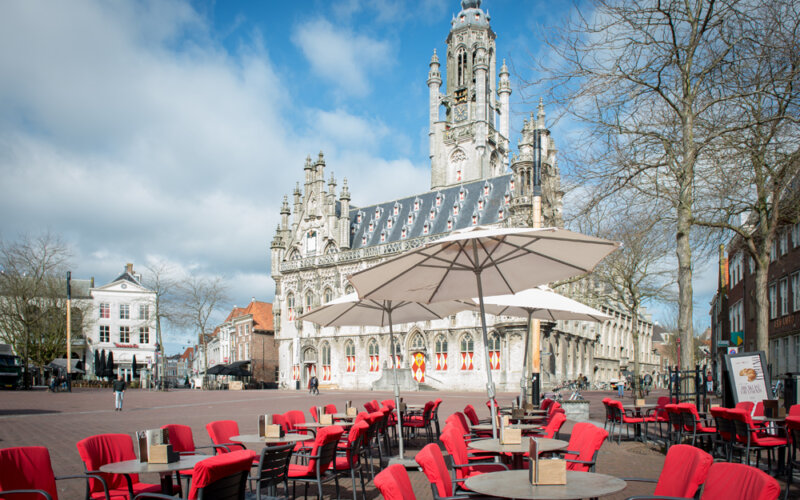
{"x":129,"y":467}
{"x":255,"y":438}
{"x":524,"y":427}
{"x":342,"y":416}
{"x":517,"y":450}
{"x":316,"y":425}
{"x":637,"y":412}
{"x":515,"y":484}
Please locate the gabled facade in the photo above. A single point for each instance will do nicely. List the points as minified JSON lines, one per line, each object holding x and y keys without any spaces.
{"x":248,"y":336}
{"x":123,"y":324}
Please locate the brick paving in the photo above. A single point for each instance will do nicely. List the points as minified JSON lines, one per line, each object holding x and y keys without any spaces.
{"x":59,"y":420}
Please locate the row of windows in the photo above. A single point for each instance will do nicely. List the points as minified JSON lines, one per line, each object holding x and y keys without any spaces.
{"x":124,"y":334}
{"x":785,"y":355}
{"x":124,"y":311}
{"x":467,"y":345}
{"x":779,"y":297}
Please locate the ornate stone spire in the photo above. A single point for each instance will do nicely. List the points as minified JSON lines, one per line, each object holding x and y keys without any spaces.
{"x":540,"y":115}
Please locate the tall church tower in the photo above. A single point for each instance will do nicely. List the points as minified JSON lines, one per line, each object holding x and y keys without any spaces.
{"x":465,"y":143}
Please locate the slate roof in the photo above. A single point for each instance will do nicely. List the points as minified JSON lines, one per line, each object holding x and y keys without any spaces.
{"x":481,"y":202}
{"x":127,"y":277}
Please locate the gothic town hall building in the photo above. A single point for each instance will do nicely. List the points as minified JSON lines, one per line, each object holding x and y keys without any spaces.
{"x":325,"y":235}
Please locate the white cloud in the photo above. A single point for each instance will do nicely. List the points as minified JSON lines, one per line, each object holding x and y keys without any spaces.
{"x":340,"y":56}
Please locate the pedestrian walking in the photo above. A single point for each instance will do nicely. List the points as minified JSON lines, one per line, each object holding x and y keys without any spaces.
{"x":314,"y":383}
{"x":621,"y":386}
{"x":119,"y":392}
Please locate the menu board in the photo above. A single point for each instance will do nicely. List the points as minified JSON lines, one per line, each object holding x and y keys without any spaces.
{"x":748,"y":376}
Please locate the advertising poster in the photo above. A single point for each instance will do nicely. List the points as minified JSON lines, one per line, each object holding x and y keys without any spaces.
{"x":748,"y":376}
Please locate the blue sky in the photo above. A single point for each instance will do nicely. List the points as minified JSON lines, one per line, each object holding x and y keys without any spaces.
{"x":170,"y":130}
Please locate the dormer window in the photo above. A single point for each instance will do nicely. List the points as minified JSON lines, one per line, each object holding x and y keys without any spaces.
{"x":507,"y":198}
{"x":377,"y":213}
{"x":480,"y":204}
{"x":474,"y":219}
{"x":501,"y":214}
{"x":433,"y":213}
{"x":416,"y":205}
{"x":404,"y":233}
{"x":425,"y":228}
{"x":410,"y":219}
{"x":511,"y":184}
{"x":383,"y":236}
{"x":438,"y":199}
{"x":364,"y":240}
{"x":455,"y":208}
{"x":449,"y":223}
{"x":358,"y":218}
{"x":371,"y":226}
{"x":462,"y":194}
{"x":396,"y":209}
{"x":389,"y":223}
{"x":486,"y":188}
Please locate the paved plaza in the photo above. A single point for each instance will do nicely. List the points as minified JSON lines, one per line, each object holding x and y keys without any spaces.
{"x":59,"y":420}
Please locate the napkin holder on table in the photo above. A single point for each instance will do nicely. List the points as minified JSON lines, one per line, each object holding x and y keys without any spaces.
{"x":640,"y":402}
{"x":162,"y":454}
{"x":545,"y":471}
{"x":263,"y":422}
{"x":273,"y":431}
{"x":530,"y":407}
{"x":149,"y":438}
{"x":511,"y":436}
{"x":517,"y":412}
{"x":351,"y":411}
{"x":326,"y":419}
{"x":770,"y":408}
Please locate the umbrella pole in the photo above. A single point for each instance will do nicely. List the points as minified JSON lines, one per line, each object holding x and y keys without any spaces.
{"x":523,"y":383}
{"x":396,"y":386}
{"x":490,"y":385}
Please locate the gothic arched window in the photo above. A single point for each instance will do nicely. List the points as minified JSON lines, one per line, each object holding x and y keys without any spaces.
{"x":290,"y":306}
{"x":350,"y":356}
{"x":440,"y":348}
{"x":309,"y":301}
{"x":494,"y":351}
{"x":467,"y":351}
{"x":326,"y":361}
{"x":328,"y":295}
{"x":349,"y":289}
{"x":461,"y":60}
{"x":373,"y":351}
{"x":418,"y":342}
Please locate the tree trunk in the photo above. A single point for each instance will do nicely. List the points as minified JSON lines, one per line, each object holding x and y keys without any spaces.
{"x":637,"y":387}
{"x":684,"y":254}
{"x":761,"y":275}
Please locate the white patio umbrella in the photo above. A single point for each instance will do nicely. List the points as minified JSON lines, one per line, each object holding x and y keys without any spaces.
{"x":482,"y":261}
{"x":539,"y":303}
{"x":349,"y":310}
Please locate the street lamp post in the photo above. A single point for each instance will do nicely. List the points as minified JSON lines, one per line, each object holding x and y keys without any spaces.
{"x":69,"y":331}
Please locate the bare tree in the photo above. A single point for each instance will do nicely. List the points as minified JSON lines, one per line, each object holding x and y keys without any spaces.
{"x":162,"y":280}
{"x":753,"y":182}
{"x":638,"y":273}
{"x":641,"y":77}
{"x":33,"y":299}
{"x":200,"y":298}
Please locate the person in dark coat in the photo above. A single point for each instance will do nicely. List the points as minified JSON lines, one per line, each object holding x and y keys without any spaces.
{"x":119,"y":392}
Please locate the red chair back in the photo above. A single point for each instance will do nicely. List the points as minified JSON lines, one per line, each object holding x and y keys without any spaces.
{"x":27,"y":468}
{"x":471,"y":414}
{"x":458,"y":420}
{"x":554,"y":425}
{"x":313,"y":412}
{"x":794,"y":411}
{"x":723,"y":424}
{"x":746,"y":406}
{"x":356,"y":431}
{"x":432,"y":462}
{"x":331,"y":409}
{"x":96,"y":451}
{"x":685,"y":469}
{"x":727,"y":481}
{"x":389,"y":403}
{"x":211,"y":470}
{"x":394,"y":483}
{"x":294,"y":417}
{"x":180,"y":437}
{"x":551,"y":410}
{"x":325,"y":436}
{"x":221,"y":431}
{"x":546,"y":403}
{"x":457,"y":448}
{"x":758,"y":409}
{"x":586,"y":439}
{"x":371,"y":407}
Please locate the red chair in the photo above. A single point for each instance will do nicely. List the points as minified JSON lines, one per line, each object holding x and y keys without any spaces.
{"x":553,"y":426}
{"x":726,"y":431}
{"x":313,"y":412}
{"x":220,"y":432}
{"x":794,"y":411}
{"x":182,"y":441}
{"x":394,"y":484}
{"x":685,"y":469}
{"x":223,"y":477}
{"x":751,"y":439}
{"x":351,"y":460}
{"x":421,"y":421}
{"x":457,"y":448}
{"x":546,"y":402}
{"x":435,"y":416}
{"x":584,"y":445}
{"x":371,"y":406}
{"x":739,"y":482}
{"x":27,"y":469}
{"x":746,"y":406}
{"x":675,"y":424}
{"x":659,"y":414}
{"x":472,"y":415}
{"x":319,"y":461}
{"x":793,"y":428}
{"x":621,"y":418}
{"x":330,"y":409}
{"x":431,"y":460}
{"x":102,"y":449}
{"x":691,"y":422}
{"x":610,"y":416}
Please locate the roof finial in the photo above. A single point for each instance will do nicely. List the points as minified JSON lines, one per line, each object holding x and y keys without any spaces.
{"x":540,"y":114}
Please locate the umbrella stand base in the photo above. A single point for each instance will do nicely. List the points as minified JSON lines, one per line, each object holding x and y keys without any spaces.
{"x":406,"y":461}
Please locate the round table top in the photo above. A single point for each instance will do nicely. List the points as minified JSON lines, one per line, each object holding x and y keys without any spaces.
{"x":636,"y":407}
{"x":137,"y":467}
{"x":515,"y":484}
{"x":315,"y":425}
{"x":494,"y":446}
{"x":287,"y":438}
{"x":524,"y":427}
{"x":342,"y":416}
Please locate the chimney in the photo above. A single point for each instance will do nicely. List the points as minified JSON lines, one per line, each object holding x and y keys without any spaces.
{"x":91,"y":285}
{"x":129,"y":268}
{"x":253,"y":299}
